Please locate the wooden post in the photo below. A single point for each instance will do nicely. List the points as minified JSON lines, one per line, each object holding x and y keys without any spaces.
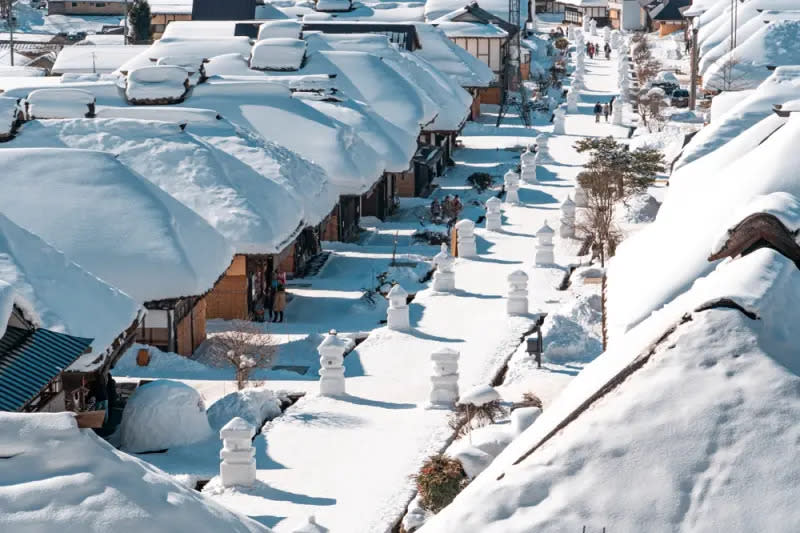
{"x":454,"y":241}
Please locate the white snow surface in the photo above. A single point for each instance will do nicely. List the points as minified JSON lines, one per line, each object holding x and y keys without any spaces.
{"x":272,"y":29}
{"x":59,"y":103}
{"x":9,"y":109}
{"x":435,"y":9}
{"x":278,"y":53}
{"x":163,"y":414}
{"x":704,"y":424}
{"x":254,"y":405}
{"x":58,"y":476}
{"x":466,"y":69}
{"x":56,"y":294}
{"x":112,"y":222}
{"x":156,"y":83}
{"x":98,"y":58}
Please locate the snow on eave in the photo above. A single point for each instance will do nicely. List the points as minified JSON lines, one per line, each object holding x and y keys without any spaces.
{"x":451,"y":59}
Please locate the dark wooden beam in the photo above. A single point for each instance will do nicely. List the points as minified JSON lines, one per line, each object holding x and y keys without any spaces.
{"x":759,"y":230}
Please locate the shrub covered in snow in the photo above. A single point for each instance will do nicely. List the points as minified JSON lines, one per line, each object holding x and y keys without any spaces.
{"x":480,"y":180}
{"x":278,"y":54}
{"x":280,"y":29}
{"x":60,"y":103}
{"x":163,"y":414}
{"x":163,"y":84}
{"x":439,"y":482}
{"x":256,"y":406}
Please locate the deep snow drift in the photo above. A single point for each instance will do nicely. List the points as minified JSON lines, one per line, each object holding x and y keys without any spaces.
{"x":52,"y":472}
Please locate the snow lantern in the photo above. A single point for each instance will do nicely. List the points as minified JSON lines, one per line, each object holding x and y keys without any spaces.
{"x":444,"y":279}
{"x":493,"y":217}
{"x":465,"y":231}
{"x":544,"y":245}
{"x":558,"y":121}
{"x":581,"y":200}
{"x":397,"y":317}
{"x":577,"y":84}
{"x":517,"y":303}
{"x":163,"y":414}
{"x":593,"y":27}
{"x":607,"y":33}
{"x":528,"y":161}
{"x":567,"y":228}
{"x":616,"y":111}
{"x":444,"y":380}
{"x":511,"y":180}
{"x":331,"y":362}
{"x":238,"y":466}
{"x":572,"y":101}
{"x":586,"y":23}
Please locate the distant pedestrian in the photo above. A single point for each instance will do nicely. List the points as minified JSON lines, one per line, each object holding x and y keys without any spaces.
{"x":279,"y":299}
{"x":611,"y":105}
{"x":436,"y":211}
{"x":598,"y":110}
{"x":607,"y":50}
{"x":457,"y":207}
{"x":606,"y":111}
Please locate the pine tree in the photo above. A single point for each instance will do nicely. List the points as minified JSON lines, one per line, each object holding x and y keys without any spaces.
{"x":139,"y":20}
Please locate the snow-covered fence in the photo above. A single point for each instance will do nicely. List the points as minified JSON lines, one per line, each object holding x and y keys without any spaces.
{"x":465,"y":231}
{"x":238,"y":466}
{"x":444,"y":381}
{"x":444,"y":279}
{"x":517,"y":303}
{"x":544,"y":245}
{"x":494,"y":221}
{"x":397,"y":316}
{"x":331,"y":362}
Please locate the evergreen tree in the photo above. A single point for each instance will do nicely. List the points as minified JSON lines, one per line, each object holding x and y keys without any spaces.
{"x":139,"y":20}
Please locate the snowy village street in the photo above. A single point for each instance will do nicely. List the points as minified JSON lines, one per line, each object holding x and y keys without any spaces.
{"x":349,"y":461}
{"x":339,"y":266}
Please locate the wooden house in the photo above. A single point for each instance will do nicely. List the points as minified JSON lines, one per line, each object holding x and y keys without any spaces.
{"x":576,"y":10}
{"x":486,"y":37}
{"x":664,"y":15}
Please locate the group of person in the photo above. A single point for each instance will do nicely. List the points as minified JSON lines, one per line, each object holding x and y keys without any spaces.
{"x":274,"y":299}
{"x":603,"y":109}
{"x":594,"y":49}
{"x":447,"y":210}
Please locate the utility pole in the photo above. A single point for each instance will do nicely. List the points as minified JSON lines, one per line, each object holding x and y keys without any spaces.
{"x":125,"y":36}
{"x":9,"y":12}
{"x":693,"y":84}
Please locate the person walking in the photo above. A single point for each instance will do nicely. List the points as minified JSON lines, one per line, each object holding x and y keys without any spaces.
{"x":606,"y":111}
{"x":611,"y":105}
{"x":598,"y":109}
{"x":279,"y":299}
{"x":436,"y":211}
{"x":457,"y":207}
{"x":607,"y":50}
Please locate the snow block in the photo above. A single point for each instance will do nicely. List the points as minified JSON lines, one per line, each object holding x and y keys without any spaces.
{"x":517,"y":303}
{"x":331,"y":360}
{"x":397,"y":316}
{"x":465,"y":230}
{"x":444,"y":381}
{"x":493,"y":216}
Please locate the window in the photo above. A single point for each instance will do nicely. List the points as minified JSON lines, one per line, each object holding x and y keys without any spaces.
{"x":74,"y":4}
{"x":100,"y":4}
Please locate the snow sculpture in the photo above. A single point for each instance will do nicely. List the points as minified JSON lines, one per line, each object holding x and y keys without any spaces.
{"x":238,"y":466}
{"x":397,"y":317}
{"x":570,"y":33}
{"x":580,"y":195}
{"x":607,"y":33}
{"x":616,"y":111}
{"x":616,"y":39}
{"x":580,"y":58}
{"x":586,"y":23}
{"x":331,"y":370}
{"x":493,"y":220}
{"x":528,"y":162}
{"x":567,"y":228}
{"x":465,"y":230}
{"x":593,"y":27}
{"x":624,"y":85}
{"x":558,"y":121}
{"x":572,"y":101}
{"x":444,"y":279}
{"x":517,"y":303}
{"x":444,"y":381}
{"x":544,"y":245}
{"x":511,"y":179}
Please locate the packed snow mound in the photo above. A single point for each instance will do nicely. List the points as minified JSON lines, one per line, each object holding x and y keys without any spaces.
{"x":450,"y":59}
{"x":746,"y":66}
{"x":278,"y":53}
{"x":59,"y":103}
{"x":704,"y":424}
{"x":190,"y":64}
{"x":163,"y":414}
{"x":56,"y":476}
{"x":159,"y":84}
{"x":640,"y":208}
{"x":256,"y":406}
{"x":57,"y":294}
{"x":9,"y":112}
{"x":565,"y":340}
{"x":478,"y":396}
{"x":274,"y":29}
{"x":114,"y":223}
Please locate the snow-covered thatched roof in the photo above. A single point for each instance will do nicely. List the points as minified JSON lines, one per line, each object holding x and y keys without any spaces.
{"x":58,"y":476}
{"x":247,"y":193}
{"x":55,"y":293}
{"x":112,"y":222}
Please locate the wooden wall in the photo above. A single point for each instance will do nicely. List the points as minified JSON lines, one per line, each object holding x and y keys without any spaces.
{"x":404,"y":184}
{"x":228,"y":299}
{"x":191,"y":331}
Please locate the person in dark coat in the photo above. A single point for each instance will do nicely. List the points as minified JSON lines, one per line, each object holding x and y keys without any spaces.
{"x":598,"y":110}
